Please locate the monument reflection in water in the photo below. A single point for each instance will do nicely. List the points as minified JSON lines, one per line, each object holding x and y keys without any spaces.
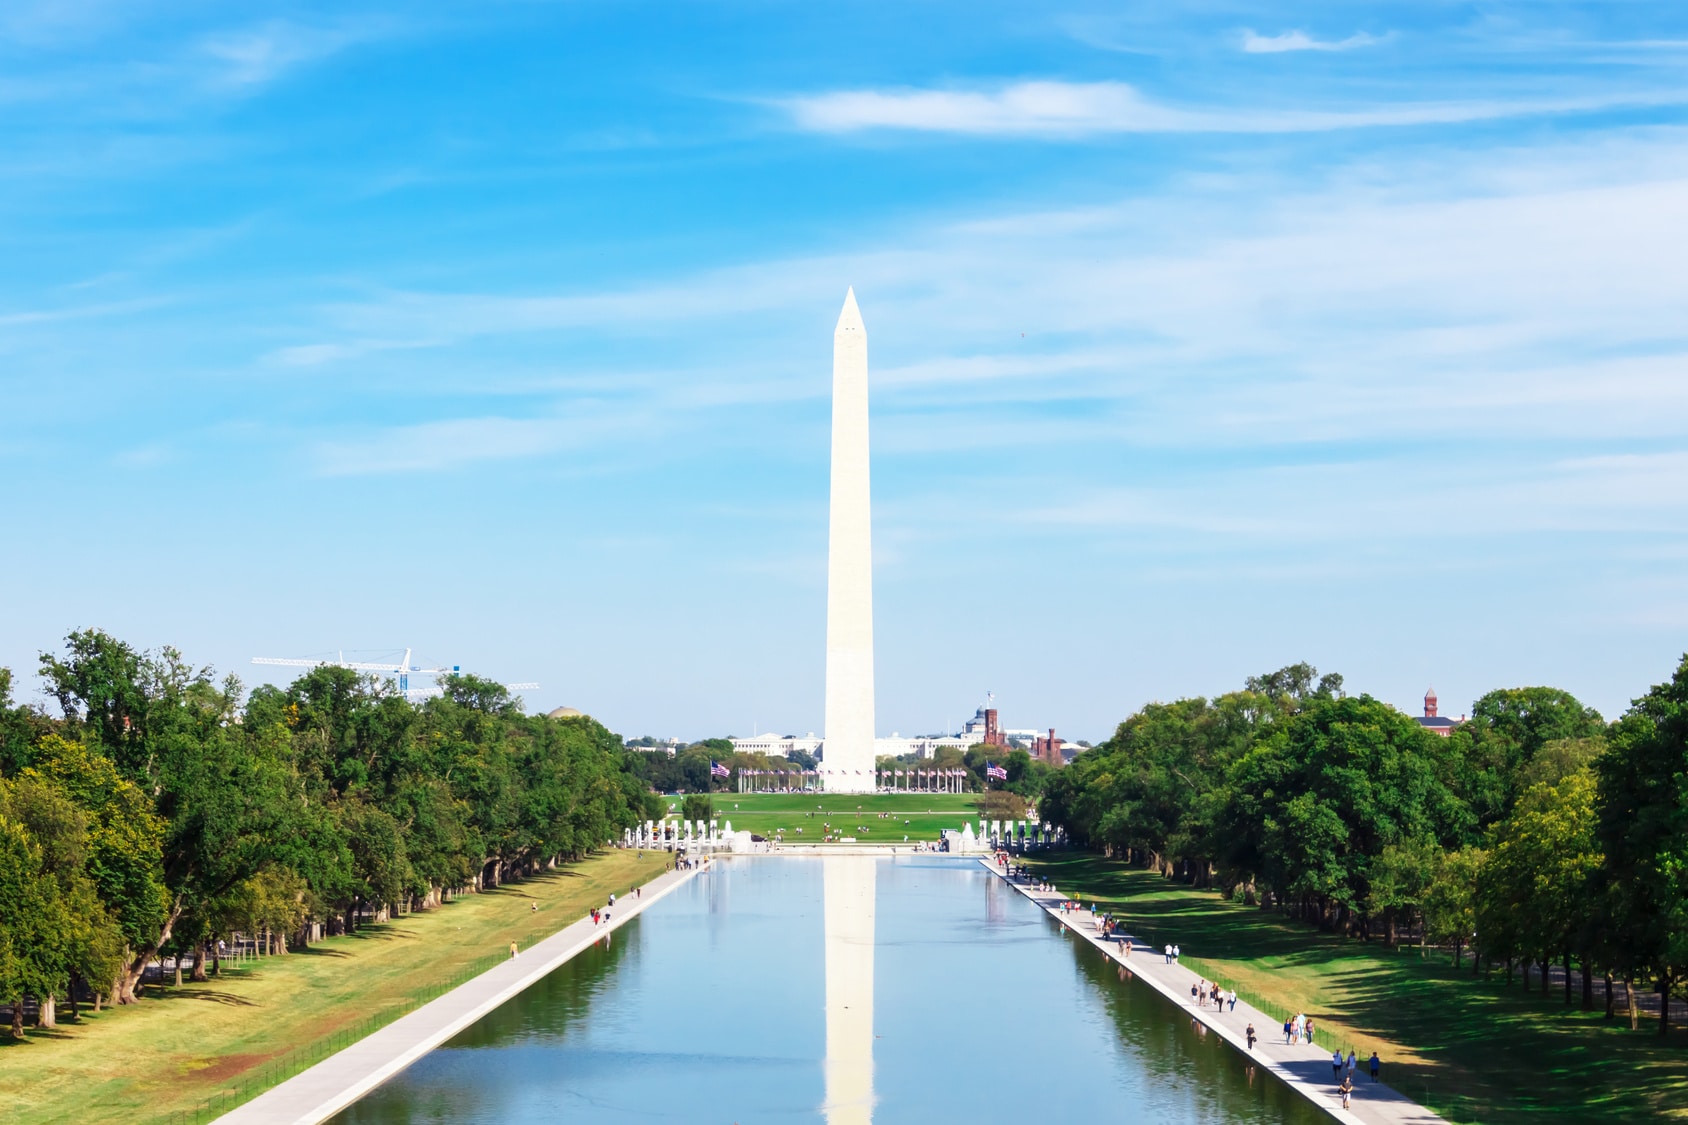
{"x":803,"y":991}
{"x":849,"y":885}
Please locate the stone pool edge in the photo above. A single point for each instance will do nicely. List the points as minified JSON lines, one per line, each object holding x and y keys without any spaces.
{"x":1376,"y":1104}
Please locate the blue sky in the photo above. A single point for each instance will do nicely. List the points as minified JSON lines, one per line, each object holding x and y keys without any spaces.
{"x":1204,"y":340}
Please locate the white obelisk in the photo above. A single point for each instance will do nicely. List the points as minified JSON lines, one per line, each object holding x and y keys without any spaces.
{"x":847,"y":753}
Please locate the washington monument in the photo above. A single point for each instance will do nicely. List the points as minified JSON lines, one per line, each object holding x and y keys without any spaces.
{"x":847,"y":753}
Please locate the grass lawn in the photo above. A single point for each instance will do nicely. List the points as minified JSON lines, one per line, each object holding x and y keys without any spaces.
{"x":918,"y":815}
{"x":180,"y":1048}
{"x":1474,"y":1050}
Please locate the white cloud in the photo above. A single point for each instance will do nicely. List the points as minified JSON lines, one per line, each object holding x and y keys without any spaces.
{"x":1256,"y":44}
{"x":1074,"y":109}
{"x":258,"y":55}
{"x":431,"y":446}
{"x":1476,"y":320}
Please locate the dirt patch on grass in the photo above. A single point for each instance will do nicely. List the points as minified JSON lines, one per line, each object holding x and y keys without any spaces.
{"x":229,"y":1066}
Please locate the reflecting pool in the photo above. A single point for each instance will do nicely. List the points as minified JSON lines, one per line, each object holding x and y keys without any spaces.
{"x":844,"y":990}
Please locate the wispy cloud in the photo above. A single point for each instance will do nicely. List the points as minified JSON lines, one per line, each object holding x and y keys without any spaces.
{"x":1072,"y":109}
{"x":257,"y":55}
{"x":432,"y":446}
{"x":1543,"y":305}
{"x":455,"y":442}
{"x":1257,"y":44}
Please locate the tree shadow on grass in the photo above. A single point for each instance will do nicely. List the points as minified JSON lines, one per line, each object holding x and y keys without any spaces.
{"x":37,"y":1035}
{"x":187,"y":992}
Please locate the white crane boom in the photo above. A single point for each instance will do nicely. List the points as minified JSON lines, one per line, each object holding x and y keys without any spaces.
{"x":402,"y":670}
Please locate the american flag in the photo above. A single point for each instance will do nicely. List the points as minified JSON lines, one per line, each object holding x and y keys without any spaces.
{"x":995,"y":771}
{"x":716,"y":769}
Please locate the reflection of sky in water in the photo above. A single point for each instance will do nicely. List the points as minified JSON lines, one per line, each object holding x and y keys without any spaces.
{"x":712,"y":1007}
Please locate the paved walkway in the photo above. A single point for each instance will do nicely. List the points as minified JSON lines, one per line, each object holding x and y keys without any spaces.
{"x":1304,"y":1068}
{"x":341,"y":1079}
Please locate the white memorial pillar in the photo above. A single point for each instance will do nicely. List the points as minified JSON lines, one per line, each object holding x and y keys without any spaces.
{"x":849,"y":568}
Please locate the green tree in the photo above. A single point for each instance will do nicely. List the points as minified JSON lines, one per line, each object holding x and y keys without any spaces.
{"x":1450,"y":901}
{"x":32,"y":926}
{"x":1154,"y":789}
{"x":1643,"y":832}
{"x":1000,"y":804}
{"x":1507,"y":730}
{"x":1536,"y":892}
{"x":125,"y":841}
{"x":1316,"y":801}
{"x":1400,"y":879}
{"x":20,"y":729}
{"x":220,"y":788}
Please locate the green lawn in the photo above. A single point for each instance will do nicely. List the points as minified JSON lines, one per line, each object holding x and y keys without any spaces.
{"x":918,"y":815}
{"x":180,"y":1049}
{"x":1475,"y":1050}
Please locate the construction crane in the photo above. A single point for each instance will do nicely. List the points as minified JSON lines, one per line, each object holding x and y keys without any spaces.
{"x":401,"y":670}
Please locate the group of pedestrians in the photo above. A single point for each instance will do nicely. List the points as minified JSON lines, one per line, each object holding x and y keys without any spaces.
{"x":1206,"y":992}
{"x":1342,"y":1072}
{"x":1172,"y":955}
{"x":1298,"y":1028}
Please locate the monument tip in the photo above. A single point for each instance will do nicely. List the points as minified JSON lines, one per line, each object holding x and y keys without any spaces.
{"x":850,"y":316}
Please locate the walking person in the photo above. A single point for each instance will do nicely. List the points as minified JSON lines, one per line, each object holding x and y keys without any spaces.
{"x":1289,"y":1029}
{"x":1249,"y":1032}
{"x":1350,"y":1065}
{"x":1347,"y":1089}
{"x":1309,"y":1031}
{"x":1176,"y":953}
{"x":512,"y":949}
{"x":1375,"y":1065}
{"x":1336,"y":1066}
{"x":1231,"y":998}
{"x":1169,"y":954}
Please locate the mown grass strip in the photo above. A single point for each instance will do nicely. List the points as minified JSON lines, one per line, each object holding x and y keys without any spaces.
{"x":186,"y":1055}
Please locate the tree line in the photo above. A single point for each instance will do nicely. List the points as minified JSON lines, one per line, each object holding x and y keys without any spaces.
{"x":1535,"y":833}
{"x":164,"y":809}
{"x":687,"y":769}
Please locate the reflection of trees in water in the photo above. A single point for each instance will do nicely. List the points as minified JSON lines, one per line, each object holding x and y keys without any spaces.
{"x":1196,"y":1070}
{"x":454,"y":1085}
{"x":556,"y":1004}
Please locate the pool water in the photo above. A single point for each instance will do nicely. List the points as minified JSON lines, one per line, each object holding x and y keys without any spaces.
{"x":843,"y":990}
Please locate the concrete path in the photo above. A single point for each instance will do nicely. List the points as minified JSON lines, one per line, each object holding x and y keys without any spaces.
{"x":341,"y":1079}
{"x":1305,"y":1069}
